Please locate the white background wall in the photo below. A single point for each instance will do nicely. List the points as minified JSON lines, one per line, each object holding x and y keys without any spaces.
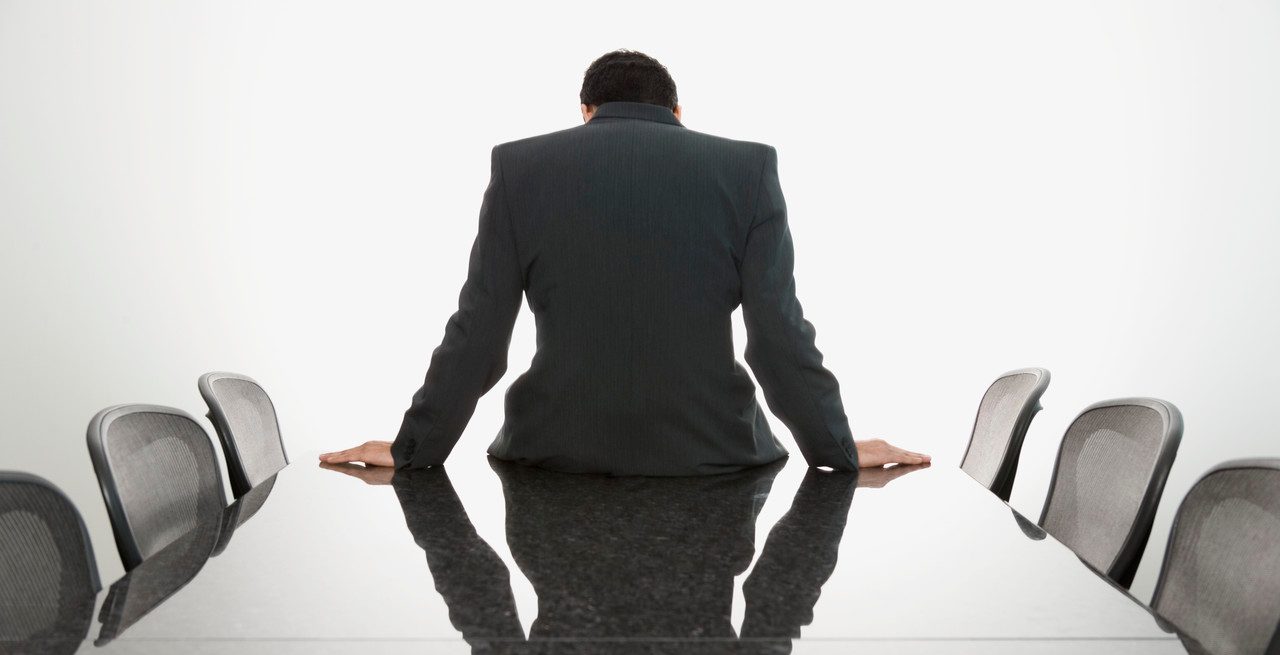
{"x":290,"y":189}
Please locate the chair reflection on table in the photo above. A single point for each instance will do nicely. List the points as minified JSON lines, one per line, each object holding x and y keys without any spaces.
{"x":633,"y":564}
{"x":158,"y":577}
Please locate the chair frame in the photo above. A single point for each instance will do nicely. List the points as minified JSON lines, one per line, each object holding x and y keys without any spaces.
{"x":1125,"y":564}
{"x":1258,"y":463}
{"x":20,"y":477}
{"x":235,"y":465}
{"x":1002,"y":484}
{"x":126,"y":541}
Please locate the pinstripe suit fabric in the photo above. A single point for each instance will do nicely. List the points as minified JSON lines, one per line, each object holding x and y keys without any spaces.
{"x":633,"y":239}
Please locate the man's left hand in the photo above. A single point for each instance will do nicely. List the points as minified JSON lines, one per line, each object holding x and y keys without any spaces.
{"x":370,"y":453}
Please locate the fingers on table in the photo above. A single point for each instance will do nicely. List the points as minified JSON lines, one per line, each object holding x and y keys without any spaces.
{"x":342,"y":456}
{"x":910,"y":457}
{"x":376,"y":453}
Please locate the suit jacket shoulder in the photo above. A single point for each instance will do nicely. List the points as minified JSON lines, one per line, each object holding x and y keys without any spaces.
{"x":550,"y":142}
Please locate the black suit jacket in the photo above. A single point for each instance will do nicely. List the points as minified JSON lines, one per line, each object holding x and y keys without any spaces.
{"x":634,"y":239}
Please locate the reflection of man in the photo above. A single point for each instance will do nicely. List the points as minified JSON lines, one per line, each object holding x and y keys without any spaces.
{"x":622,"y":564}
{"x":634,"y":240}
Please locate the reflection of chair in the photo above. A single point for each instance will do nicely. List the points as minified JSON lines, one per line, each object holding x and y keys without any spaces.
{"x":164,"y":573}
{"x":1220,"y":583}
{"x":158,"y":473}
{"x":245,"y":420}
{"x":1033,"y":531}
{"x":48,"y":577}
{"x":1106,"y":485}
{"x":1004,"y":415}
{"x":157,"y":578}
{"x":241,"y":511}
{"x":631,"y":565}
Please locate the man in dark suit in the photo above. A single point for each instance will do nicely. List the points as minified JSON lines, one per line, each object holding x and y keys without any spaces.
{"x":634,"y":239}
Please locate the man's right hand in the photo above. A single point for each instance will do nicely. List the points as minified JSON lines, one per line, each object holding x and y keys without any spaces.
{"x":878,"y":452}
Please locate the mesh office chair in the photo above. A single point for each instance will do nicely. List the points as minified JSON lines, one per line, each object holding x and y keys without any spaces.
{"x":246,"y":423}
{"x":1106,"y":485}
{"x":48,"y":577}
{"x":1004,"y":415}
{"x":158,"y":473}
{"x":1220,"y":583}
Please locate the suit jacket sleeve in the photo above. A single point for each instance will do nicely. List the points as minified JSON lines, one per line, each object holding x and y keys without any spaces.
{"x":473,"y":354}
{"x":780,"y":342}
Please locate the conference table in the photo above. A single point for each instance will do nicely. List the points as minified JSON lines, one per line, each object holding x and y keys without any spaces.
{"x":482,"y":556}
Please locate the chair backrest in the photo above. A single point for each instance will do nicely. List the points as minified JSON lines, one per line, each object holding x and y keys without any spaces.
{"x":1004,"y":415}
{"x":245,"y":420}
{"x":158,"y":473}
{"x":1220,"y":583}
{"x":1107,"y":482}
{"x":48,"y":576}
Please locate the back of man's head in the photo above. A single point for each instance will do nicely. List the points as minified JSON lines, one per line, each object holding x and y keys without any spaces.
{"x":628,"y":76}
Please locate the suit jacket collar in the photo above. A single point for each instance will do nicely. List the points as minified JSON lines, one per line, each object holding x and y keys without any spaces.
{"x":641,"y":110}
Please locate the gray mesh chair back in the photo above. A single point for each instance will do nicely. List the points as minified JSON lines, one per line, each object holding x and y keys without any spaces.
{"x":1220,"y":583}
{"x":1107,"y":482}
{"x":48,"y":577}
{"x":246,"y":423}
{"x":158,"y":473}
{"x":1004,"y":415}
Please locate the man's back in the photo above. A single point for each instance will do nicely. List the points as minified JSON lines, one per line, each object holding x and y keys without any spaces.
{"x":634,"y":239}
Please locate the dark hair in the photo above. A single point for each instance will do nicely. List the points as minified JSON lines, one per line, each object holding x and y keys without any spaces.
{"x":630,"y":76}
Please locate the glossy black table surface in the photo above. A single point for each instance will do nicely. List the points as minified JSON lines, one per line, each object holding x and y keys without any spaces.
{"x":486,"y":557}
